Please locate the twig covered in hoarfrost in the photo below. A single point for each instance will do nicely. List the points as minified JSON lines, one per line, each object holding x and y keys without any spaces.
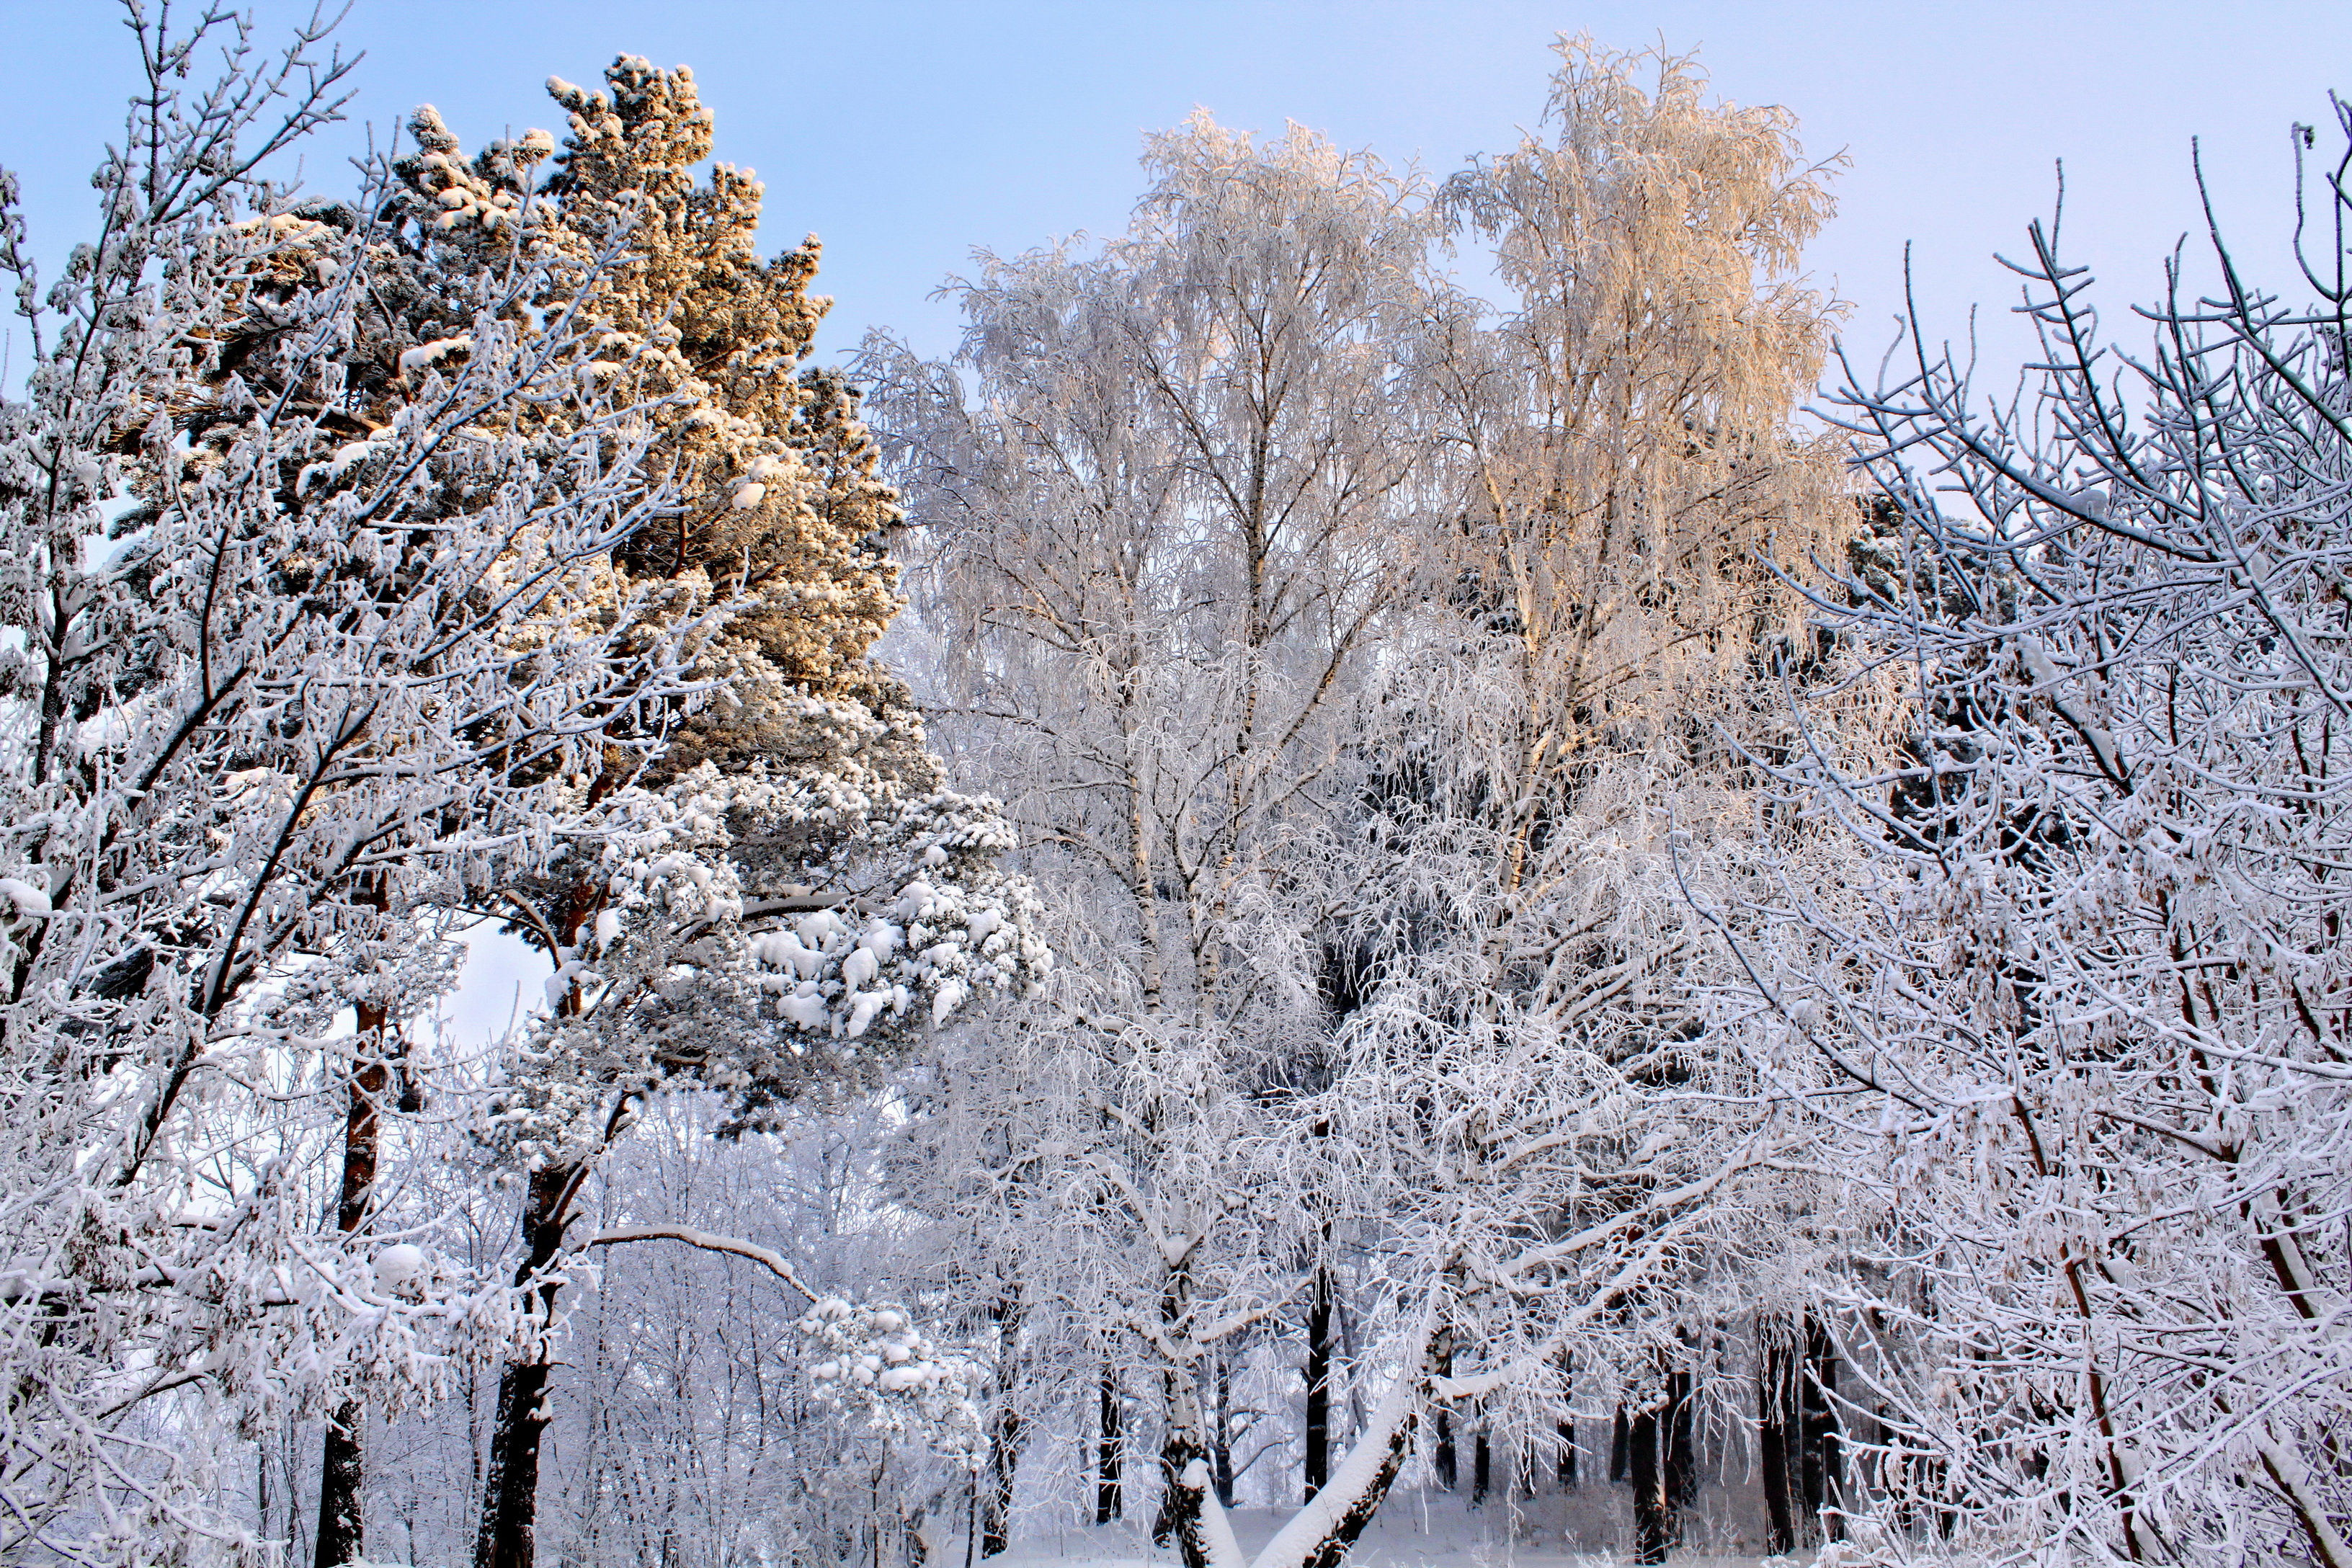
{"x":2073,"y":1027}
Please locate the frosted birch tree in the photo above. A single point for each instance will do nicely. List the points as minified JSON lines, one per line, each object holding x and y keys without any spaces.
{"x":1158,"y":502}
{"x":1566,"y":1148}
{"x":1551,"y":548}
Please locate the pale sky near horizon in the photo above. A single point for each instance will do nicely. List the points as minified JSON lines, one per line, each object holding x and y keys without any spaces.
{"x":907,"y":131}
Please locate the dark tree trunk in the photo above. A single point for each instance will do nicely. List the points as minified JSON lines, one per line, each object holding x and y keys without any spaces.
{"x":1110,"y":1441}
{"x":508,"y":1538}
{"x":1007,"y":1433}
{"x":1822,"y":1435}
{"x":1564,"y":1466}
{"x":1652,"y":1509}
{"x":509,"y":1534}
{"x":1177,"y":1522}
{"x":1319,"y":1326}
{"x":342,"y":1470}
{"x":1442,"y":1464}
{"x":1681,"y":1445}
{"x":1661,"y":1467}
{"x":1482,"y":1466}
{"x":1220,"y":1435}
{"x":1621,"y":1452}
{"x":1004,"y":1463}
{"x":1779,"y":1430}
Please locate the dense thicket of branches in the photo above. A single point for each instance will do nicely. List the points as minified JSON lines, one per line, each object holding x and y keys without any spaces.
{"x":1557,"y":934}
{"x":2071,"y":1026}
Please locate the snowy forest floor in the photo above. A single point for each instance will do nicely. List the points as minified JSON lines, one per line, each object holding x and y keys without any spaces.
{"x":1585,"y":1528}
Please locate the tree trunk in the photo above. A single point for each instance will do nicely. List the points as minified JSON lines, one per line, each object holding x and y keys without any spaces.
{"x":1007,"y":1433}
{"x":1663,"y":1470}
{"x":1319,"y":1325}
{"x":1482,"y":1466}
{"x":1341,"y":1538}
{"x":1823,"y":1434}
{"x":343,"y":1536}
{"x":1564,"y":1470}
{"x":1321,"y":1534}
{"x":1184,"y":1465}
{"x":1681,"y":1445}
{"x":1110,"y":1439}
{"x":508,"y":1538}
{"x":1220,"y":1440}
{"x":1442,"y":1464}
{"x":1004,"y":1439}
{"x":1653,"y":1509}
{"x":1779,"y":1430}
{"x":1620,"y":1449}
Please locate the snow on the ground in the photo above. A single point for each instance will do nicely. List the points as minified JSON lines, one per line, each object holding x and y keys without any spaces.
{"x":1411,"y":1531}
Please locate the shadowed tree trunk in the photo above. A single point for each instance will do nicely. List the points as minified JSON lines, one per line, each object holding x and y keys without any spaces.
{"x":1780,"y":1429}
{"x":1319,"y":1326}
{"x":1482,"y":1466}
{"x":1822,"y":1435}
{"x":342,"y":1469}
{"x":1007,"y":1433}
{"x":1221,"y":1432}
{"x":1661,"y":1467}
{"x":1004,"y":1438}
{"x":1110,"y":1440}
{"x":1682,"y":1448}
{"x":1177,"y":1520}
{"x":1652,"y":1509}
{"x":1442,"y":1463}
{"x":508,"y":1536}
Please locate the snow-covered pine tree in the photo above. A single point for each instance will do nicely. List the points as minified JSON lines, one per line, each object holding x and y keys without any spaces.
{"x":786,"y":892}
{"x":305,"y":624}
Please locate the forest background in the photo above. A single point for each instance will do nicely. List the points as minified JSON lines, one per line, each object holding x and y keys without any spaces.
{"x":1535,"y":1322}
{"x":906,"y":135}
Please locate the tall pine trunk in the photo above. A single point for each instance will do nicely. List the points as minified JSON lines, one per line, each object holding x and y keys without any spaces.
{"x":342,"y":1469}
{"x":509,"y":1535}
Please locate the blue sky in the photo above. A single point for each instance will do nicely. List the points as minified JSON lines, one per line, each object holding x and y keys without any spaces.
{"x":907,"y":131}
